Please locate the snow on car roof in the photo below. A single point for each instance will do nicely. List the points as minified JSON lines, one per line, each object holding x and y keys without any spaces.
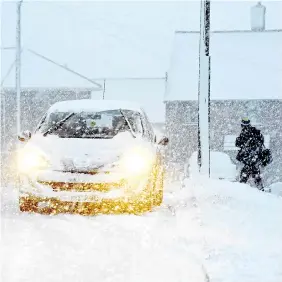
{"x":93,"y":105}
{"x":244,"y":65}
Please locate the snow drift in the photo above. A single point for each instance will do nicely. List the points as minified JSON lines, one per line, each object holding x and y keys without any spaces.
{"x":242,"y":230}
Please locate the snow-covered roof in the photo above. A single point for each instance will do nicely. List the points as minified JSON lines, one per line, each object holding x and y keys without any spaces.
{"x":93,"y":105}
{"x":244,"y":65}
{"x":38,"y":72}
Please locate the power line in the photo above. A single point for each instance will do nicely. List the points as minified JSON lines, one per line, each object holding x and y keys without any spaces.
{"x":129,"y":78}
{"x":231,"y":31}
{"x":8,"y":48}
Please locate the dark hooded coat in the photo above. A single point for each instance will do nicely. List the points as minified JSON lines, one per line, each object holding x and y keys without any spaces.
{"x":251,"y":144}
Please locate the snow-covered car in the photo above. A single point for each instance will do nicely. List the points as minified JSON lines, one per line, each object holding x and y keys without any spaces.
{"x":221,"y":166}
{"x":90,"y":157}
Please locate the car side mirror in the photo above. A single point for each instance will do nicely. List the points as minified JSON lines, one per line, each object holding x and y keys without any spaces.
{"x":164,"y":141}
{"x":24,"y":136}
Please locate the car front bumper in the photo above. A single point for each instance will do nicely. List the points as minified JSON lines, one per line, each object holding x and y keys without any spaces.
{"x":53,"y":192}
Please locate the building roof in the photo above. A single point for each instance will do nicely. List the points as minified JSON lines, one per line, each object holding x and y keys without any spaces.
{"x":37,"y":71}
{"x":244,"y":65}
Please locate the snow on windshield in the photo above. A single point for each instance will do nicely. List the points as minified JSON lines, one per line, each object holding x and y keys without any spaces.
{"x":103,"y":124}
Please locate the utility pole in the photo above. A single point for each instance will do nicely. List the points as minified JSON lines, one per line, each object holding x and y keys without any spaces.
{"x":18,"y":65}
{"x":166,"y":80}
{"x":204,"y":90}
{"x":104,"y":89}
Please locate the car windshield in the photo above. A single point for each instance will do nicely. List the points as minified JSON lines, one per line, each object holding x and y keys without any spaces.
{"x":102,"y":124}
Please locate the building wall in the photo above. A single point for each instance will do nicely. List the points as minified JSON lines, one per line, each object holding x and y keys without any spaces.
{"x":34,"y":103}
{"x":181,"y":127}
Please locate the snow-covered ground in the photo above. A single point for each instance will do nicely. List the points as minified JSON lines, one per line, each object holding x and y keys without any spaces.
{"x":232,"y":231}
{"x":243,"y":231}
{"x":276,"y":188}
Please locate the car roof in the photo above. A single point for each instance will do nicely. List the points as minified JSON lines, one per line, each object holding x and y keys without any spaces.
{"x":90,"y":105}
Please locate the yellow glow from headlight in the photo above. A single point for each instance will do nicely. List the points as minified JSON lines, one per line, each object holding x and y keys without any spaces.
{"x":138,"y":161}
{"x":31,"y":159}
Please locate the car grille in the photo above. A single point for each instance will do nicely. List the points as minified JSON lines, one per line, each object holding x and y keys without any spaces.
{"x":83,"y":187}
{"x":91,"y":172}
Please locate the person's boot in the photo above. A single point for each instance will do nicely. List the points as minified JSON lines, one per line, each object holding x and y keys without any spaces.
{"x":267,"y":190}
{"x":258,"y":182}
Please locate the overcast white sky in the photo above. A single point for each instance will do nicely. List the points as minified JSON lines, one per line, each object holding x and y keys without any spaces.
{"x":104,"y":39}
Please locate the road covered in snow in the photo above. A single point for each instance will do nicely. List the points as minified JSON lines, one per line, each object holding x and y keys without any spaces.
{"x":231,"y":231}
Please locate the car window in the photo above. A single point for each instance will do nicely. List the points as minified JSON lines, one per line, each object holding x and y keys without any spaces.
{"x":148,"y":129}
{"x":103,"y":124}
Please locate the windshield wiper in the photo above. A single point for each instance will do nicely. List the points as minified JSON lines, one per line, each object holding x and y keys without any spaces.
{"x":57,"y":125}
{"x":128,"y":123}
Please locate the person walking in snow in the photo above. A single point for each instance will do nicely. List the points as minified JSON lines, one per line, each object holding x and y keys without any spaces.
{"x":251,"y":144}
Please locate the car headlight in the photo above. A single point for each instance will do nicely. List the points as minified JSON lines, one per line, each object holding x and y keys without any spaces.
{"x":31,"y":159}
{"x":138,"y":160}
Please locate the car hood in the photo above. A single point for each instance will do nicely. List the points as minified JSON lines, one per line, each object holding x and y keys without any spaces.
{"x":80,"y":153}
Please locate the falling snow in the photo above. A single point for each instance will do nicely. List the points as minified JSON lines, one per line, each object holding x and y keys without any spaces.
{"x":205,"y":229}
